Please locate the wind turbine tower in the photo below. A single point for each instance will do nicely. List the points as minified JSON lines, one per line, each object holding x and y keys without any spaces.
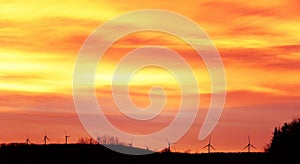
{"x":66,"y":138}
{"x":249,"y":145}
{"x":169,"y":145}
{"x":27,"y":141}
{"x":131,"y":143}
{"x":208,"y":146}
{"x":46,"y":138}
{"x":147,"y":147}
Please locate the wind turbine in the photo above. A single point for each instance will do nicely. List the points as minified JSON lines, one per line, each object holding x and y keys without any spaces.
{"x":208,"y":146}
{"x":147,"y":147}
{"x":46,"y":138}
{"x":169,"y":145}
{"x":27,"y":140}
{"x":131,"y":143}
{"x":249,"y":145}
{"x":66,"y":137}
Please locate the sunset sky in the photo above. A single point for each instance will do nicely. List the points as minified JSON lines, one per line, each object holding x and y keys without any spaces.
{"x":259,"y":42}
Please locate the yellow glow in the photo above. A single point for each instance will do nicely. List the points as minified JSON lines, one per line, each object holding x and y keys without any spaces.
{"x":34,"y":72}
{"x":20,"y":10}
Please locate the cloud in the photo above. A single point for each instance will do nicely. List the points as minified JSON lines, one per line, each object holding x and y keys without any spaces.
{"x":277,"y":58}
{"x":17,"y":101}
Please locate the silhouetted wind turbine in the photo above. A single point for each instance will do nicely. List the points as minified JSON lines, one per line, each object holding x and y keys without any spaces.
{"x":208,"y":146}
{"x":169,"y":145}
{"x":66,"y":137}
{"x":131,"y":143}
{"x":147,"y":147}
{"x":249,"y":145}
{"x":46,"y":138}
{"x":27,"y":141}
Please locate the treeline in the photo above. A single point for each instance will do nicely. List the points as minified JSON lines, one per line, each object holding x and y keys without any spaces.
{"x":286,"y":140}
{"x":100,"y":140}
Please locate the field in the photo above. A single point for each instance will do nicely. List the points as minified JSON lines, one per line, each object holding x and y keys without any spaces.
{"x":88,"y":153}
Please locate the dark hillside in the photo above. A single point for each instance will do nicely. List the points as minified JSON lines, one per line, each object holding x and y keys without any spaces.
{"x":93,"y":153}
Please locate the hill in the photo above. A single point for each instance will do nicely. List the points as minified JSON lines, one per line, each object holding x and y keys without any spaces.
{"x":91,"y":153}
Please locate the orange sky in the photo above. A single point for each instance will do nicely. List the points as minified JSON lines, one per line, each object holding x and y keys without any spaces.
{"x":257,"y":40}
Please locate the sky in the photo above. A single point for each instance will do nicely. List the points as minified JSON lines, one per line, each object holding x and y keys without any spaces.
{"x":258,"y":42}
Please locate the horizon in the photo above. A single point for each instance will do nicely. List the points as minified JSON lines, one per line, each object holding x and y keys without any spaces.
{"x":125,"y":145}
{"x":258,"y":43}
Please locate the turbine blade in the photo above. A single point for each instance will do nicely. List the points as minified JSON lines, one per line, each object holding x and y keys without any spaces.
{"x":248,"y":139}
{"x":253,"y":146}
{"x":205,"y":146}
{"x":245,"y":147}
{"x":212,"y":147}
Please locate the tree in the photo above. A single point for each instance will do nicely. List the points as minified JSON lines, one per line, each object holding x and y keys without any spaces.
{"x":86,"y":140}
{"x":286,"y":139}
{"x":100,"y":140}
{"x":108,"y":140}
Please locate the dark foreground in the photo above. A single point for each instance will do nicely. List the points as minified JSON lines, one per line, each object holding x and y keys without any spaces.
{"x":86,"y":153}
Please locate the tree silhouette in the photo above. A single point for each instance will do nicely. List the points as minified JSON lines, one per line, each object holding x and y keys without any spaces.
{"x":100,"y":140}
{"x":286,"y":139}
{"x":86,"y":140}
{"x":109,"y":140}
